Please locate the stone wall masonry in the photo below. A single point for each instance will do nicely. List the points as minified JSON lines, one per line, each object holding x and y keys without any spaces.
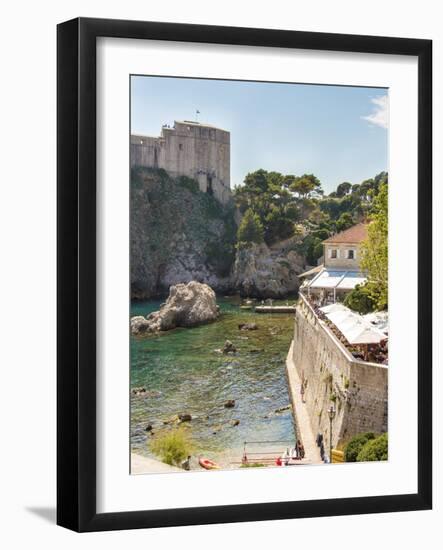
{"x":358,"y":389}
{"x":189,"y":149}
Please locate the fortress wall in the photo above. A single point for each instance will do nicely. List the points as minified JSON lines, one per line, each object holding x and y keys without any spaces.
{"x":199,"y":152}
{"x":145,"y":151}
{"x":360,"y":388}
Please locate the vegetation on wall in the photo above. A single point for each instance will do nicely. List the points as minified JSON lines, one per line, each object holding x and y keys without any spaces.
{"x":176,"y":226}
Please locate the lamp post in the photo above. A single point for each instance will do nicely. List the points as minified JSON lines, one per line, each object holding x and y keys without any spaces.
{"x":331,"y":413}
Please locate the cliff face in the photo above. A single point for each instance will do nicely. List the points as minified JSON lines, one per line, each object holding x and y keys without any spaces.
{"x":178,"y":234}
{"x":267,"y":272}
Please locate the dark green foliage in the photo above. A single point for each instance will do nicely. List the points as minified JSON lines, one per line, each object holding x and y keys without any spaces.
{"x":374,"y":450}
{"x":345,"y":221}
{"x":267,"y":194}
{"x":281,"y":201}
{"x":250,"y":230}
{"x":188,"y":183}
{"x":356,"y":444}
{"x":343,"y":189}
{"x":305,"y":185}
{"x":360,"y":299}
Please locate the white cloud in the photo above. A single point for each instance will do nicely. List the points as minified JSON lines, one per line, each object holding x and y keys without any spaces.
{"x":380,"y":112}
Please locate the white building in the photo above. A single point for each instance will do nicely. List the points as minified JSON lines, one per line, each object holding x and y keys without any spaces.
{"x":340,"y":272}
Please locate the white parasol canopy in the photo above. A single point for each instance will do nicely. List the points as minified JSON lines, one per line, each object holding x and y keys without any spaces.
{"x":354,"y":327}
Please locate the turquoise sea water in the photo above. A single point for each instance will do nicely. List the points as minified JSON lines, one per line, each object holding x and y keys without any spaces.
{"x":184,"y":373}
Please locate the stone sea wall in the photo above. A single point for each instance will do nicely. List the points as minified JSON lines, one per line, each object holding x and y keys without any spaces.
{"x":359,"y":390}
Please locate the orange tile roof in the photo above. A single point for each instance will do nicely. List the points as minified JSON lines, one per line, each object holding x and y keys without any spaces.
{"x":354,"y":234}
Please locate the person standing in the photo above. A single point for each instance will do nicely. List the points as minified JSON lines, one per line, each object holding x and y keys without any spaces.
{"x":186,"y":464}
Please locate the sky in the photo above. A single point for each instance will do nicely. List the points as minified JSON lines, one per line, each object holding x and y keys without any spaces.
{"x":338,"y":133}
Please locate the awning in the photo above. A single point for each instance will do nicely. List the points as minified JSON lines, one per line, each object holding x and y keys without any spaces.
{"x":354,"y":327}
{"x":338,"y":279}
{"x":379,"y":319}
{"x":312,"y":271}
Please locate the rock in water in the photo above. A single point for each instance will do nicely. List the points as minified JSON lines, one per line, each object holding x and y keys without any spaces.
{"x":229,"y":404}
{"x":228,"y":347}
{"x":139,"y":325}
{"x":188,"y":305}
{"x":248,"y":326}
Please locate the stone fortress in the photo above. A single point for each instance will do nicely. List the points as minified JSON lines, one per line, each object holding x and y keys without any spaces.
{"x":191,"y":149}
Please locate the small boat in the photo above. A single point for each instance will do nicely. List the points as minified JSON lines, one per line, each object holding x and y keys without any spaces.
{"x":208,"y":464}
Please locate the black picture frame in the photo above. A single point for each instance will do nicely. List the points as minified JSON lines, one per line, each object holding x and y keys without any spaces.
{"x":76,"y":265}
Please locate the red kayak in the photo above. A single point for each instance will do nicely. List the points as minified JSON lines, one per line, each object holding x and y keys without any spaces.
{"x":208,"y":464}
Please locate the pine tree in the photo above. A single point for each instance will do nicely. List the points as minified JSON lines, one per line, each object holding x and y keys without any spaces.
{"x":251,"y":229}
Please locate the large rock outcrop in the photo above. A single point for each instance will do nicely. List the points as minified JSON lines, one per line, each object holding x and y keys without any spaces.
{"x":188,"y":305}
{"x":267,"y":272}
{"x":178,"y":235}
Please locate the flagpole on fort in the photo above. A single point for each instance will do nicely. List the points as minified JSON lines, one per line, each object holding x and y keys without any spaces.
{"x":197,"y":112}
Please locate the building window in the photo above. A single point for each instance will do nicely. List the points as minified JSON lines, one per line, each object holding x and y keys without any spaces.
{"x":180,"y":146}
{"x":334,"y":253}
{"x":351,"y":254}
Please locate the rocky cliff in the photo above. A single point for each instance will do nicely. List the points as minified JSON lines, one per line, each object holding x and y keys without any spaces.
{"x":178,"y":234}
{"x":267,"y":272}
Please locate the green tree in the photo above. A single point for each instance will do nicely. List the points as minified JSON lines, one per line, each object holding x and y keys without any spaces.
{"x":250,"y":229}
{"x":304,"y":185}
{"x":356,"y":444}
{"x":343,"y":189}
{"x":374,"y":450}
{"x":345,"y":221}
{"x":360,"y":299}
{"x":374,"y":251}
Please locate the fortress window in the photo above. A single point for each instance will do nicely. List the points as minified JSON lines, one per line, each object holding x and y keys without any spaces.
{"x":180,"y":146}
